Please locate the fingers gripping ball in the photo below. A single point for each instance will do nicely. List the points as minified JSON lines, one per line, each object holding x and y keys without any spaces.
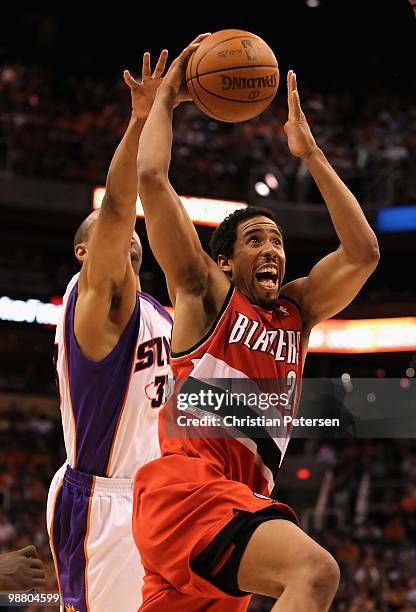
{"x":233,"y":75}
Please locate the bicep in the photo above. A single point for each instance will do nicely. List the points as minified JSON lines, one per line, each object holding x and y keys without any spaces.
{"x":330,"y":287}
{"x":172,"y":236}
{"x":101,"y":315}
{"x":109,"y":246}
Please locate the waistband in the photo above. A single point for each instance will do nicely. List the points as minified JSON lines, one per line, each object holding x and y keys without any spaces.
{"x":100,"y":485}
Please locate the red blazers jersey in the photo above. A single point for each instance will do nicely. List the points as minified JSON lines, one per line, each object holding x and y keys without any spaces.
{"x":257,"y":346}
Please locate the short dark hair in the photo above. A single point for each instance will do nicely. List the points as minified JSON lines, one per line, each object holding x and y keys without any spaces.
{"x":224,"y":237}
{"x":83,"y":232}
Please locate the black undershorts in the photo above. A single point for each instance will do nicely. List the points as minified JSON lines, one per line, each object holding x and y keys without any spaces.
{"x":220,"y":560}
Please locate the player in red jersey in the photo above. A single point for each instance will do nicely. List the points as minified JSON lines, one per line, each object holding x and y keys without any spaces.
{"x":212,"y":536}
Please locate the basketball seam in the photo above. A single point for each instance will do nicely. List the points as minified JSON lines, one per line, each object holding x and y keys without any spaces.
{"x":197,"y":75}
{"x":233,"y":68}
{"x":196,"y":94}
{"x":205,"y":106}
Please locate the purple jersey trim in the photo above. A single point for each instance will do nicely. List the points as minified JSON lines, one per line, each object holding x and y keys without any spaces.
{"x":161,"y":309}
{"x":98,"y":390}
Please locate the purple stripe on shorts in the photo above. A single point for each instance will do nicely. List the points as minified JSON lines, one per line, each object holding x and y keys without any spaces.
{"x":70,"y":524}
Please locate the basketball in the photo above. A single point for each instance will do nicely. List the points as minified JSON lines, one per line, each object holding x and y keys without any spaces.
{"x":232,"y":76}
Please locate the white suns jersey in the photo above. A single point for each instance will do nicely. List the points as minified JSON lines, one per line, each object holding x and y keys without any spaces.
{"x":110,"y":408}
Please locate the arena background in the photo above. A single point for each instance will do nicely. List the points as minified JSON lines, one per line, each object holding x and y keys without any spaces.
{"x":63,"y":109}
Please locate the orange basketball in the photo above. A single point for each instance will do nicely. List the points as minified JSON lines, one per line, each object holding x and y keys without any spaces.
{"x":233,"y":75}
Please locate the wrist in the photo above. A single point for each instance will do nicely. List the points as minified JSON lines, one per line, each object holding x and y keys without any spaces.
{"x":167,"y":95}
{"x":138,"y":119}
{"x":314,"y":153}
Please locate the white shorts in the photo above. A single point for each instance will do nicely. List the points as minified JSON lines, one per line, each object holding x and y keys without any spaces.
{"x":89,"y":521}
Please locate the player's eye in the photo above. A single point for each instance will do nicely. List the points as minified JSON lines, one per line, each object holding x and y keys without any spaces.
{"x":277,"y":241}
{"x":254,"y":239}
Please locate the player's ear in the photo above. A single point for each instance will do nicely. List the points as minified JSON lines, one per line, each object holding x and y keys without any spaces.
{"x":224,"y":263}
{"x":80,"y":251}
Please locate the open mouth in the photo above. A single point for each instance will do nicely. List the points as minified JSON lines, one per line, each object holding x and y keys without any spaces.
{"x":268,"y":279}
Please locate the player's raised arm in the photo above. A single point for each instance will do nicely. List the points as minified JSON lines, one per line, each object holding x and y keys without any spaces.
{"x":172,"y":235}
{"x":107,"y":283}
{"x":335,"y":280}
{"x":109,"y":247}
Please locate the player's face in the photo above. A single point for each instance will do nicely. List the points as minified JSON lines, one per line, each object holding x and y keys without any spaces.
{"x":258,"y":261}
{"x":136,"y":253}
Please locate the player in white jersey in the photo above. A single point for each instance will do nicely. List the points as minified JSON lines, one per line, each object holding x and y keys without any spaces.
{"x":112,"y":360}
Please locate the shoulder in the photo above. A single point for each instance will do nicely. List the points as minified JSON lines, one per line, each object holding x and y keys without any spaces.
{"x":292,"y":293}
{"x":289,"y":301}
{"x":69,"y":299}
{"x":73,"y":283}
{"x":150,"y":306}
{"x":293,"y":290}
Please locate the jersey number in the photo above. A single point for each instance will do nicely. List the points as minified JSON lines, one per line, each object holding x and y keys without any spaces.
{"x":155,"y":391}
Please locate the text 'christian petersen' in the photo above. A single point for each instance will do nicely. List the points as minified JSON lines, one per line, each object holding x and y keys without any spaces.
{"x":211,"y":420}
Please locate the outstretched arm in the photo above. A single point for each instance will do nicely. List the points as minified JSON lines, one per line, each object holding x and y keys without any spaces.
{"x":107,"y":283}
{"x":335,"y":280}
{"x":172,"y":236}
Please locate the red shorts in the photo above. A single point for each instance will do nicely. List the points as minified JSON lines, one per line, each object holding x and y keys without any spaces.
{"x":180,"y":504}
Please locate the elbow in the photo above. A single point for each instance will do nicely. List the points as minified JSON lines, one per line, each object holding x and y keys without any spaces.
{"x":373,"y":253}
{"x":148,"y":174}
{"x":114,"y":203}
{"x":371,"y":256}
{"x":367,"y":256}
{"x":376,"y":254}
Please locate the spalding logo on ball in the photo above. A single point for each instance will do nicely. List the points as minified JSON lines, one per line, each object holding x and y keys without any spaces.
{"x":232,"y":76}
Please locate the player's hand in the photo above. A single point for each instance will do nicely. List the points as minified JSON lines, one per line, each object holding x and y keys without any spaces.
{"x":143,"y":92}
{"x":299,"y":136}
{"x":175,"y":76}
{"x":21,"y":570}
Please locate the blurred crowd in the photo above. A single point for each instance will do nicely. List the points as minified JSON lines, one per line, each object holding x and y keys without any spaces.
{"x":58,"y":127}
{"x":376,"y":552}
{"x":31,"y":449}
{"x":374,"y":541}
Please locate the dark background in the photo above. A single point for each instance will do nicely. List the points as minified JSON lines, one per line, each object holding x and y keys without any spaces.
{"x":338,"y":43}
